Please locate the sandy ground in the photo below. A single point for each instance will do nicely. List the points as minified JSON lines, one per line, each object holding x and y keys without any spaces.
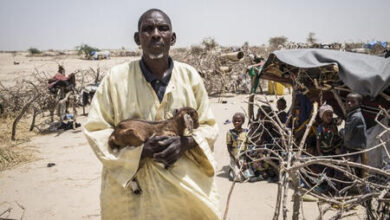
{"x":10,"y":73}
{"x":70,"y":189}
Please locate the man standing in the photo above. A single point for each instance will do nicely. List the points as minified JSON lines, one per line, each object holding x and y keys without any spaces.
{"x":151,"y":89}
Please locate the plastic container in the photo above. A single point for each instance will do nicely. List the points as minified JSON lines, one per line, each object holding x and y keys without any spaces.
{"x":275,"y":88}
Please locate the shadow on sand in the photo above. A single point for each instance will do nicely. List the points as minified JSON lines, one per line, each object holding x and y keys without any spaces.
{"x":224,"y":172}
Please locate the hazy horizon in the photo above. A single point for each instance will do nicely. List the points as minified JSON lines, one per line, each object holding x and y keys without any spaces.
{"x":48,"y":24}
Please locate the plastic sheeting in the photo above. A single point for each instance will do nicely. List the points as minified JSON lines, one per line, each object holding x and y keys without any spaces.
{"x":365,"y":74}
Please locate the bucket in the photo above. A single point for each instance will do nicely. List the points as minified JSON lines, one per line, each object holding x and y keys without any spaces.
{"x":275,"y":88}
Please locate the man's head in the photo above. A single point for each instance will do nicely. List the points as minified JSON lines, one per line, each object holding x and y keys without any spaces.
{"x":238,"y":120}
{"x":281,"y":104}
{"x":155,"y":34}
{"x":353,"y":101}
{"x":61,"y":69}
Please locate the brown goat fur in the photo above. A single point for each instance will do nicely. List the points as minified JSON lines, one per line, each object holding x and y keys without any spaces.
{"x":134,"y":132}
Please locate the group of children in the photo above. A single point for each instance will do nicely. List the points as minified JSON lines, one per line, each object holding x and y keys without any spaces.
{"x":245,"y":160}
{"x":247,"y":164}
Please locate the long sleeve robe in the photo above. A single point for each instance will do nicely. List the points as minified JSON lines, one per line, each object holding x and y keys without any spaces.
{"x":185,"y":191}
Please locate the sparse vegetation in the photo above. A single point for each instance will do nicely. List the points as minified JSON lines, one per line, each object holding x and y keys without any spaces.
{"x":196,"y":50}
{"x":10,"y":152}
{"x":209,"y":43}
{"x":274,"y":42}
{"x":311,"y":38}
{"x":33,"y":50}
{"x":85,"y":49}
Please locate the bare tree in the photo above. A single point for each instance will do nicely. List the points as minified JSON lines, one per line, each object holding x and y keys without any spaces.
{"x":311,"y":38}
{"x":274,"y":42}
{"x":209,"y":43}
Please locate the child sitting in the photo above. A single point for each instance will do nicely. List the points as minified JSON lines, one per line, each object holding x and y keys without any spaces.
{"x":236,"y":144}
{"x":267,"y":129}
{"x":268,"y":135}
{"x":260,"y":169}
{"x":328,"y":140}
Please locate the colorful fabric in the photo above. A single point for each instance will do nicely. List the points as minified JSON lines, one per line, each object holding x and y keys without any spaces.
{"x":328,"y":137}
{"x":237,"y":141}
{"x":59,"y":76}
{"x":323,"y":109}
{"x":305,"y":108}
{"x":56,"y":78}
{"x":166,"y":193}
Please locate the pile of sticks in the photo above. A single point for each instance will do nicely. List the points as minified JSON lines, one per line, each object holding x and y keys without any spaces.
{"x":223,"y":69}
{"x":294,"y":164}
{"x":32,"y":97}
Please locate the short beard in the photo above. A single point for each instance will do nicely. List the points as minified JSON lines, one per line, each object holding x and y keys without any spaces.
{"x":156,"y":57}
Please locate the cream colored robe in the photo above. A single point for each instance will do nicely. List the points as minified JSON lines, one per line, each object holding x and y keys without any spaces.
{"x":185,"y":191}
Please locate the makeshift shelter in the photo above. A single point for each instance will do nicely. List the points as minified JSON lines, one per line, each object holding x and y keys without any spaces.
{"x":372,"y":44}
{"x":328,"y":76}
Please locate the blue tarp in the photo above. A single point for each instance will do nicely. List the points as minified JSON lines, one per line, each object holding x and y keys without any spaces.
{"x":371,"y":44}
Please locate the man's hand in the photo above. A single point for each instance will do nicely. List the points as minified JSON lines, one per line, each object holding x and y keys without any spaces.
{"x":175,"y":147}
{"x":152,"y":146}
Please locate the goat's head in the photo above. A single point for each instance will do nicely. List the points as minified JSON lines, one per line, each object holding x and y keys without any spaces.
{"x":189,"y":117}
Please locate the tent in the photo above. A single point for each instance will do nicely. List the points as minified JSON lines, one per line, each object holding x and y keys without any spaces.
{"x":331,"y":75}
{"x":372,"y":44}
{"x":328,"y":76}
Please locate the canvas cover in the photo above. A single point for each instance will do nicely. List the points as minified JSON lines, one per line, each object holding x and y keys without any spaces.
{"x":365,"y":74}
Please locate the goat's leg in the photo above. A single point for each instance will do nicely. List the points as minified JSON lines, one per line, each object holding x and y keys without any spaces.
{"x":135,"y":187}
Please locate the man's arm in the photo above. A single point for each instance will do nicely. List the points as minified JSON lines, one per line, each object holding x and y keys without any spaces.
{"x":99,"y":127}
{"x":200,"y":143}
{"x":175,"y":148}
{"x":359,"y":131}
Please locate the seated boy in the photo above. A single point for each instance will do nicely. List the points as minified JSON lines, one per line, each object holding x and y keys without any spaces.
{"x":268,"y":135}
{"x":260,"y":169}
{"x":268,"y":130}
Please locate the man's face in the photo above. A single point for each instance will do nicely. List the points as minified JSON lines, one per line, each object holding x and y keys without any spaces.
{"x":351,"y":103}
{"x":155,"y":36}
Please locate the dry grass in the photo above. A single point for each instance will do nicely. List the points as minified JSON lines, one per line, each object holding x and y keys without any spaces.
{"x":16,"y":152}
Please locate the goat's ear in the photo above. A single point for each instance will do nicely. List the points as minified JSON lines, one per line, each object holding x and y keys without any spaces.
{"x":188,"y":122}
{"x":175,"y":111}
{"x":133,"y":133}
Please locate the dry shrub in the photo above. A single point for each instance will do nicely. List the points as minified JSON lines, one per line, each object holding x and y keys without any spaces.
{"x":11,"y":152}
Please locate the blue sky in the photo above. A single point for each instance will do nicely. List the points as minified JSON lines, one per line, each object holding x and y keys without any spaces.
{"x":53,"y":24}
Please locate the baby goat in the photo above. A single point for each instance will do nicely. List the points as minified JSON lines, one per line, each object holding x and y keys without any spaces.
{"x":134,"y":132}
